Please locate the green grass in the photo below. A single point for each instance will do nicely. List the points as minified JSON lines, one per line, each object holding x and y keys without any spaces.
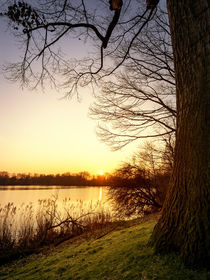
{"x":122,"y":254}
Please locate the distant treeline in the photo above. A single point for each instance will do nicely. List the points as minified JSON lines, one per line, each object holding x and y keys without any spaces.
{"x":66,"y":179}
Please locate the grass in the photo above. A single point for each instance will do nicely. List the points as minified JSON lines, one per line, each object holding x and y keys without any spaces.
{"x":121,"y":254}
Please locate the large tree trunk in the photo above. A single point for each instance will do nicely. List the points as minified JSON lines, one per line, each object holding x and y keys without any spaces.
{"x":184,"y":225}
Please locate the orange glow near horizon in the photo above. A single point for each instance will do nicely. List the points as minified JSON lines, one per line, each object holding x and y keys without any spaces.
{"x":44,"y":135}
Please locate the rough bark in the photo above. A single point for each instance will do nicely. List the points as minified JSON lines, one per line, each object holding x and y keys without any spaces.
{"x":184,"y":226}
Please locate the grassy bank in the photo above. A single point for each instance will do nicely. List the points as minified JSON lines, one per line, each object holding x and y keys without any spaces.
{"x":120,"y":254}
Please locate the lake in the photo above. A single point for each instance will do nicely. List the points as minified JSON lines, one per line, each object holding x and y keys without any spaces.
{"x":32,"y":194}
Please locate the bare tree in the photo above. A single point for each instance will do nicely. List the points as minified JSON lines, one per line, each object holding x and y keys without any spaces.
{"x":45,"y":25}
{"x":139,"y":102}
{"x":139,"y":186}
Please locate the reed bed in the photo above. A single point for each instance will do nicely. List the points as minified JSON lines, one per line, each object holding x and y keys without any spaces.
{"x":28,"y":228}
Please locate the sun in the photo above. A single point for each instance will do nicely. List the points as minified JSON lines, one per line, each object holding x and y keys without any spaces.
{"x":101,"y":173}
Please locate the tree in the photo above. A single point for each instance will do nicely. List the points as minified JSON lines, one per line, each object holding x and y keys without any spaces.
{"x":149,"y":58}
{"x":184,"y":225}
{"x":42,"y":27}
{"x":139,"y":186}
{"x":139,"y":101}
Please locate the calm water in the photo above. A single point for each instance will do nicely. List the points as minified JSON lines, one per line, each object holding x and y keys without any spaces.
{"x":32,"y":194}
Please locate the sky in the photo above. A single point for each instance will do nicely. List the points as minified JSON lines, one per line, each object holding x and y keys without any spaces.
{"x":44,"y":133}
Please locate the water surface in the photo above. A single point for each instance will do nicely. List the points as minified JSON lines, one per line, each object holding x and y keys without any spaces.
{"x":32,"y":194}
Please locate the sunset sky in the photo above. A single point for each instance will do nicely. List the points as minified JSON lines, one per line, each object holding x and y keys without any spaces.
{"x":42,"y":133}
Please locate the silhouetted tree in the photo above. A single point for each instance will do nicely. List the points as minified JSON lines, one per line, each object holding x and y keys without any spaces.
{"x":139,"y":187}
{"x":66,"y":179}
{"x":139,"y":102}
{"x":48,"y":22}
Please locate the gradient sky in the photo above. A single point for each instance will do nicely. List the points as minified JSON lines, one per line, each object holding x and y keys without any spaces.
{"x":42,"y":133}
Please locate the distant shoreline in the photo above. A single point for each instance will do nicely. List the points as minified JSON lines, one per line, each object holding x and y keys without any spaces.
{"x":82,"y":179}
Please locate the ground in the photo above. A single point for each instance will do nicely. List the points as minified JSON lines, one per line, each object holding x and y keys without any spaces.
{"x":120,"y":254}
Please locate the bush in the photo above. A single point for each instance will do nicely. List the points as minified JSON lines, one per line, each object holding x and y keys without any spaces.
{"x":140,"y":187}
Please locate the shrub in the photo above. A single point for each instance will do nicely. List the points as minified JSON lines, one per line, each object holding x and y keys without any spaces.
{"x":140,"y":186}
